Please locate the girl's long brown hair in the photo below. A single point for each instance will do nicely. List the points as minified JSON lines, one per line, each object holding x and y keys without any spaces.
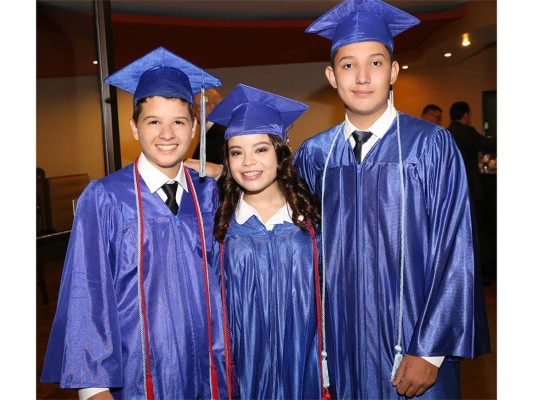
{"x":294,"y":188}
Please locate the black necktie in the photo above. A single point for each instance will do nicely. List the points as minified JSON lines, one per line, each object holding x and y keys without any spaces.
{"x":170,"y":190}
{"x":360,"y":137}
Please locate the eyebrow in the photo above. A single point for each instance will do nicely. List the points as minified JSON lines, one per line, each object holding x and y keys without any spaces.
{"x":351,"y":57}
{"x":254,"y":145}
{"x":185,"y":117}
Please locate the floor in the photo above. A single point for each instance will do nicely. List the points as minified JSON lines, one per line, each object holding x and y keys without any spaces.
{"x":478,"y":376}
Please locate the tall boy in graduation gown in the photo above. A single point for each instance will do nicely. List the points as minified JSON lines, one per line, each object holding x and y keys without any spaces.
{"x":400,"y":272}
{"x":139,"y":309}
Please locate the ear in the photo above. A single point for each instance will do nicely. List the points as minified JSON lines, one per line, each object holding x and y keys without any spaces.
{"x":194,"y":121}
{"x":133,"y":129}
{"x":395,"y":70}
{"x":330,"y":74}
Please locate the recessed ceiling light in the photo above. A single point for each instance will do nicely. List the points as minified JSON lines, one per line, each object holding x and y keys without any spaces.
{"x":466,"y":40}
{"x":95,"y":62}
{"x":405,"y":66}
{"x":447,"y":54}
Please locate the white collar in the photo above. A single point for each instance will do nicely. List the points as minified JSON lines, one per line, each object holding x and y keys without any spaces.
{"x":154,"y":178}
{"x":245,"y":211}
{"x":378,"y":128}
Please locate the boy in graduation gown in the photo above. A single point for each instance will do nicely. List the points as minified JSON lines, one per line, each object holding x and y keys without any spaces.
{"x":403,"y":294}
{"x":267,"y":250}
{"x":139,"y":312}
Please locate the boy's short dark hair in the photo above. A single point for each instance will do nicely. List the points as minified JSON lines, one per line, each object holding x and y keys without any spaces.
{"x":431,"y":107}
{"x":137,"y":109}
{"x":458,"y":109}
{"x":332,"y":56}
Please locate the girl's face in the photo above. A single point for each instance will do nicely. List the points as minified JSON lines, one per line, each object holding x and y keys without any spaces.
{"x":253,"y":163}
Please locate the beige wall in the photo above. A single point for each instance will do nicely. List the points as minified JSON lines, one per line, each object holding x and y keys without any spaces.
{"x":68,"y":110}
{"x":68,"y":127}
{"x":444,"y":86}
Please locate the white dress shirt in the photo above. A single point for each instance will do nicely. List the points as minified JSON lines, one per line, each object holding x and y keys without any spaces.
{"x":154,"y":179}
{"x":245,"y":211}
{"x":378,"y":129}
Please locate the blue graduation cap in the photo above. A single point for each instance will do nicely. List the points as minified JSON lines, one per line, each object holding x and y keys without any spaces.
{"x":354,"y":21}
{"x":162,"y":73}
{"x":247,"y":110}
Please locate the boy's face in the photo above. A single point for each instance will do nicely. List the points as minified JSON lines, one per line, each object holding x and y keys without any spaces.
{"x":164,"y":130}
{"x":362,"y":75}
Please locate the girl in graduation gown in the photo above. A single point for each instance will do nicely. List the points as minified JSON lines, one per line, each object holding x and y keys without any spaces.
{"x":267,"y":251}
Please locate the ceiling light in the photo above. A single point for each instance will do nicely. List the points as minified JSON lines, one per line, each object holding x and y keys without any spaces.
{"x":447,"y":54}
{"x":466,"y":40}
{"x":95,"y":62}
{"x":405,"y":66}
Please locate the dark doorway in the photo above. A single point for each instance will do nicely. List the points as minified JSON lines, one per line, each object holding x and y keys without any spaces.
{"x":489,"y":113}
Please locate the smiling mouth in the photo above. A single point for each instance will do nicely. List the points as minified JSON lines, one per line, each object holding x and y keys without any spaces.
{"x":251,"y":174}
{"x":166,"y":147}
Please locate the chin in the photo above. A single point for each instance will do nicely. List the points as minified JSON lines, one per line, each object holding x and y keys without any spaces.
{"x":252,"y":188}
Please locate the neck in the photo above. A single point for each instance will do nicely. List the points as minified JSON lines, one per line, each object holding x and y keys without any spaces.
{"x":267,"y":202}
{"x":171,"y":172}
{"x":365,"y":121}
{"x":464,"y":121}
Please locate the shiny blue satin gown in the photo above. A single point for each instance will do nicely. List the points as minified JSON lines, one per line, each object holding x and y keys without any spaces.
{"x":443,"y":308}
{"x":270,"y":292}
{"x":96,"y":338}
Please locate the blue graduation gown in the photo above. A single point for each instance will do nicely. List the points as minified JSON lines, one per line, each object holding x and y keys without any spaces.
{"x":272,"y":313}
{"x":443,"y":308}
{"x":95,"y":339}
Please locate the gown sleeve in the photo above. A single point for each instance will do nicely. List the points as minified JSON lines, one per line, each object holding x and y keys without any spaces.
{"x":84,"y":348}
{"x":453,"y":321}
{"x":305,"y":165}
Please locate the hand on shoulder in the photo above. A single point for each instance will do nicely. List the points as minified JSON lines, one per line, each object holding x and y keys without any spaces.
{"x":212,"y":170}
